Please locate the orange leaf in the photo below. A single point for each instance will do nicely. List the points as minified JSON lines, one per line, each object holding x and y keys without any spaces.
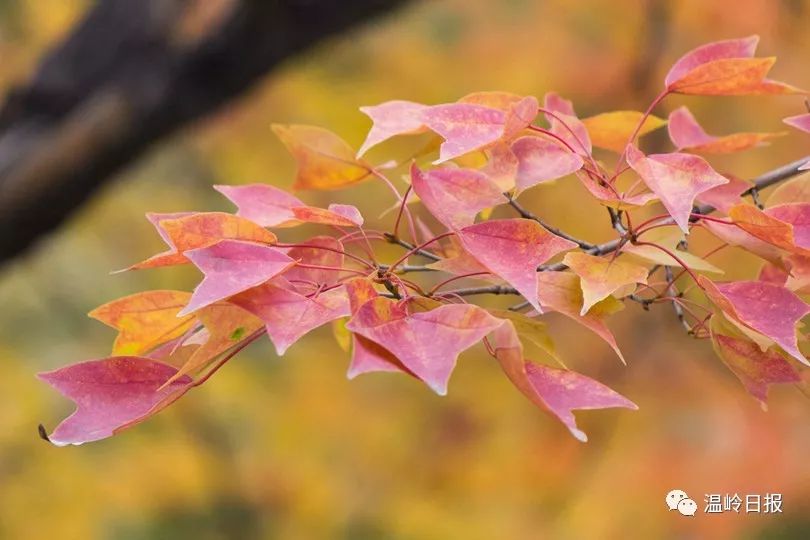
{"x":731,"y":77}
{"x":325,"y":161}
{"x":145,"y":320}
{"x":612,"y":130}
{"x":600,"y":277}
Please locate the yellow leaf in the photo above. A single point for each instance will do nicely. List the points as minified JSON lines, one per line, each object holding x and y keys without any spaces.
{"x":612,"y":130}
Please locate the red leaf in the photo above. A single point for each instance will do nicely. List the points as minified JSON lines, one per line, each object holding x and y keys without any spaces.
{"x":513,"y":249}
{"x":455,"y":196}
{"x":230,"y":267}
{"x":110,"y":395}
{"x":317,"y":251}
{"x":771,"y":310}
{"x":676,"y":178}
{"x":427,"y":343}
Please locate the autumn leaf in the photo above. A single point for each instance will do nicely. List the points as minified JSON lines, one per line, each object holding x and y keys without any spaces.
{"x":558,"y":391}
{"x":668,"y":240}
{"x":144,"y":320}
{"x":687,"y":134}
{"x":201,"y":230}
{"x":390,"y":119}
{"x":427,"y":343}
{"x":676,"y":178}
{"x":540,"y":160}
{"x":532,"y":329}
{"x":798,"y":216}
{"x":232,"y":266}
{"x":467,"y":127}
{"x":455,"y":196}
{"x":111,"y":394}
{"x":263,"y":204}
{"x":324,"y":251}
{"x":513,"y":249}
{"x":562,"y":292}
{"x":767,"y":228}
{"x":600,"y":277}
{"x":612,"y":130}
{"x":725,"y":68}
{"x":724,"y":196}
{"x":339,"y":215}
{"x":288,"y":315}
{"x":325,"y":161}
{"x":564,"y":124}
{"x":756,"y":369}
{"x":795,"y":190}
{"x":367,"y":356}
{"x":769,"y":309}
{"x":608,"y":195}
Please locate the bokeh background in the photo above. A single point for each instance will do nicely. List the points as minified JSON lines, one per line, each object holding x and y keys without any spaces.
{"x":287,"y":447}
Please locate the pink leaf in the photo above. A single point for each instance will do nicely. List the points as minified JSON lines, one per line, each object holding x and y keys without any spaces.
{"x":263,"y":204}
{"x":464,"y":127}
{"x":798,"y":215}
{"x":724,"y":196}
{"x":559,"y":391}
{"x":289,"y":315}
{"x":230,"y":267}
{"x":565,"y":124}
{"x":540,"y":160}
{"x":756,"y":369}
{"x":455,"y":196}
{"x":427,"y":343}
{"x":801,"y":122}
{"x":390,"y":119}
{"x":513,"y":249}
{"x":732,"y":48}
{"x":676,"y":178}
{"x":317,"y":251}
{"x":111,"y":394}
{"x":771,"y":310}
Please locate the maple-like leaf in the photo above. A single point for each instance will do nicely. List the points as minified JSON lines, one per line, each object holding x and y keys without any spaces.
{"x":540,"y":160}
{"x":288,"y":315}
{"x":263,"y":204}
{"x":676,"y":178}
{"x":610,"y":197}
{"x":761,"y":225}
{"x":769,"y":309}
{"x":111,"y":394}
{"x":562,"y":292}
{"x":686,"y":134}
{"x":232,"y":266}
{"x":513,"y":249}
{"x":558,"y":391}
{"x":455,"y":196}
{"x":800,"y":122}
{"x":798,"y":216}
{"x":390,"y":119}
{"x":795,"y":190}
{"x":145,"y":320}
{"x":725,"y":68}
{"x":226,"y":325}
{"x":600,"y":276}
{"x":669,"y":240}
{"x":201,"y":230}
{"x":565,"y":124}
{"x":612,"y":130}
{"x":367,"y":356}
{"x":532,"y":329}
{"x":325,"y":251}
{"x":427,"y":343}
{"x":466,"y":127}
{"x":724,"y":196}
{"x":325,"y":161}
{"x":339,"y":215}
{"x":756,"y":369}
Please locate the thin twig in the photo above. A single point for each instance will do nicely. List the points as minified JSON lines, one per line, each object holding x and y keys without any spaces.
{"x":529,"y":215}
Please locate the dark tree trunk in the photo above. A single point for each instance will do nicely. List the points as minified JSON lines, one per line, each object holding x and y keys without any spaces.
{"x":130,"y":73}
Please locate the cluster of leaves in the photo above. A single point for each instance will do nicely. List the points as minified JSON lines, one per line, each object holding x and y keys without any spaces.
{"x":254,"y":284}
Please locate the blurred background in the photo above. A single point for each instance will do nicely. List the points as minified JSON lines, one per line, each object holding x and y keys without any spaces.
{"x":287,"y":447}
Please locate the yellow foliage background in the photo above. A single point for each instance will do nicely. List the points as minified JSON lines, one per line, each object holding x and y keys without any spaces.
{"x":287,"y":447}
